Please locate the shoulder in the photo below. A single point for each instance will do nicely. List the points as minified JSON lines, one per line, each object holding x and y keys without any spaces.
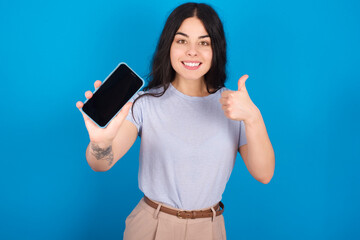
{"x":222,"y":89}
{"x":143,"y":95}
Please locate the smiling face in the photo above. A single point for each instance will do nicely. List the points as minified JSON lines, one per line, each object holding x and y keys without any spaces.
{"x":191,"y":52}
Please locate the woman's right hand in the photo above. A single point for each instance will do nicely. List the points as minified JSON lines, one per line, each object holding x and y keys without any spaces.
{"x":103,"y":135}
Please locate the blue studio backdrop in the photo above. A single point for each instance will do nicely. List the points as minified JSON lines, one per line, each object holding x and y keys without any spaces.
{"x":303,"y":61}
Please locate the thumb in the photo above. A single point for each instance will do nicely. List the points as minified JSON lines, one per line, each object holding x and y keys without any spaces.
{"x":126,"y":109}
{"x":120,"y":117}
{"x":242,"y":80}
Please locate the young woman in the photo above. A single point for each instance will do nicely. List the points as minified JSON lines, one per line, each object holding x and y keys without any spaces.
{"x":191,"y":128}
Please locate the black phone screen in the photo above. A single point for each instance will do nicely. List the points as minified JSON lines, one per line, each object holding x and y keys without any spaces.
{"x":112,"y":95}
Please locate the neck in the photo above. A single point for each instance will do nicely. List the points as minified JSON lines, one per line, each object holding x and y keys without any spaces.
{"x":193,"y":88}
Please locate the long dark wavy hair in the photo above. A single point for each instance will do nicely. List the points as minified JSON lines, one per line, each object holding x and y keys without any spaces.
{"x":162,"y":73}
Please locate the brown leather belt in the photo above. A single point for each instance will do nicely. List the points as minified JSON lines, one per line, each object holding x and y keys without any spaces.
{"x":187,"y":214}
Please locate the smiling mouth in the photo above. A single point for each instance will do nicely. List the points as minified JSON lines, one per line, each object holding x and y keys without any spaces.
{"x":191,"y":65}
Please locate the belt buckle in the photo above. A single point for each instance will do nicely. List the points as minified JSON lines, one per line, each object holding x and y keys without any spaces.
{"x":178,"y":215}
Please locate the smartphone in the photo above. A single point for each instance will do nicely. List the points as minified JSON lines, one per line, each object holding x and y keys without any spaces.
{"x":116,"y":90}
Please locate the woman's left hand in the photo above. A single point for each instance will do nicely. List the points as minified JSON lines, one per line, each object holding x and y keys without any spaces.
{"x":237,"y":105}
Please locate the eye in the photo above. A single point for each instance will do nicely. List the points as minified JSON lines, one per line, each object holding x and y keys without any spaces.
{"x":204,"y":43}
{"x":181,"y":41}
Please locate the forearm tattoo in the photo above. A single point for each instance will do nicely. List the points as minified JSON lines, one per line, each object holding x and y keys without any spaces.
{"x":102,"y":153}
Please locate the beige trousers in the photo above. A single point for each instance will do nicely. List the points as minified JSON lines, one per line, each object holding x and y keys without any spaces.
{"x":147,"y":223}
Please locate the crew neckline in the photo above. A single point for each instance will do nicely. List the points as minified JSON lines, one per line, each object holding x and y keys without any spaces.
{"x":191,"y":98}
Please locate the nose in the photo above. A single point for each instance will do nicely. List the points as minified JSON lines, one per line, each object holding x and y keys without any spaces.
{"x":191,"y":51}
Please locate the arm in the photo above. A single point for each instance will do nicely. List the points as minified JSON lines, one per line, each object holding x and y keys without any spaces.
{"x":103,"y":156}
{"x":108,"y":145}
{"x":258,"y":154}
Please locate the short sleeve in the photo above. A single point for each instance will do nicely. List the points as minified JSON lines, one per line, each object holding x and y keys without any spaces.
{"x":242,"y":135}
{"x":137,"y":117}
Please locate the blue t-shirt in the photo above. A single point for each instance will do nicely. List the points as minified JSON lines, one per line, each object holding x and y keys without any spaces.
{"x":188,"y":147}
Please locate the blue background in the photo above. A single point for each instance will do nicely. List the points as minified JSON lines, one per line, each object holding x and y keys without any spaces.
{"x":303,"y":61}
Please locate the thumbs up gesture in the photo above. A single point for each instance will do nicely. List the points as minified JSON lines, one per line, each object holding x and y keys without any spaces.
{"x":237,"y":105}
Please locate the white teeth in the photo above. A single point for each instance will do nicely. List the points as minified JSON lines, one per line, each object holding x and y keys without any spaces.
{"x":190,"y":64}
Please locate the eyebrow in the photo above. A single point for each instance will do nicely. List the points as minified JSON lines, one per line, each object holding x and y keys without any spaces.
{"x":185,"y":35}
